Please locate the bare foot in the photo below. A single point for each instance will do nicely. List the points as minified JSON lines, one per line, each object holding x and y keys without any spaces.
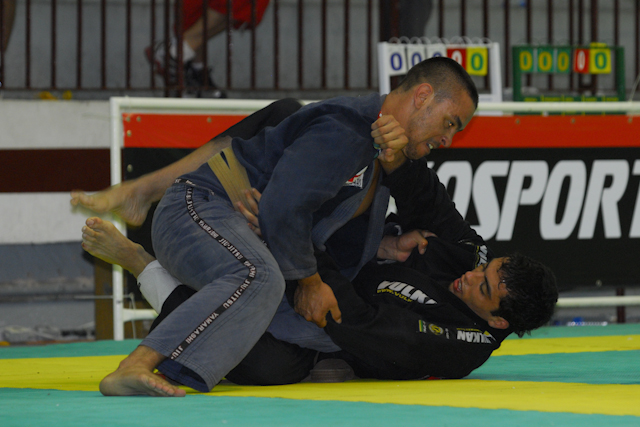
{"x":125,"y":200}
{"x":135,"y":377}
{"x":134,"y":380}
{"x":103,"y":240}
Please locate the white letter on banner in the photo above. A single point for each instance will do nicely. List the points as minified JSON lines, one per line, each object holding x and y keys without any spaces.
{"x":397,"y":60}
{"x":576,"y":171}
{"x":608,"y":198}
{"x":436,"y":49}
{"x":415,"y":54}
{"x":462,"y":172}
{"x":635,"y":222}
{"x":515,"y":195}
{"x":485,"y":199}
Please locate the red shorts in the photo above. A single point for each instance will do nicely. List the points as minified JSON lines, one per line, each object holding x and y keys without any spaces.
{"x":241,"y":11}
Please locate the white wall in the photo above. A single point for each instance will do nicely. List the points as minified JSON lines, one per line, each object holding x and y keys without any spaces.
{"x":47,"y":217}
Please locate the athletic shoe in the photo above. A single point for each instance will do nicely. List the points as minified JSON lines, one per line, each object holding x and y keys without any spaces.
{"x":195,"y":79}
{"x":156,"y":56}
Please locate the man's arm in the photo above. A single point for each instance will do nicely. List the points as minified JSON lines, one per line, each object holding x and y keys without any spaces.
{"x":424,"y":203}
{"x":399,"y":248}
{"x":314,"y":299}
{"x":390,"y":137}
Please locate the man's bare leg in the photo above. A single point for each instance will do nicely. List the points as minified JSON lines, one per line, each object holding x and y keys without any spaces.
{"x":216,"y":23}
{"x":135,"y":376}
{"x":131,"y":200}
{"x":8,"y":17}
{"x":103,"y":240}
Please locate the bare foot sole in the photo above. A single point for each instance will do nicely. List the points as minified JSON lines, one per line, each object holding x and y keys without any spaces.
{"x":103,"y":240}
{"x":136,"y":381}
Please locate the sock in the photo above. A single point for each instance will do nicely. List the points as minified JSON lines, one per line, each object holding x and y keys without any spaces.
{"x":156,"y":284}
{"x":187,"y":53}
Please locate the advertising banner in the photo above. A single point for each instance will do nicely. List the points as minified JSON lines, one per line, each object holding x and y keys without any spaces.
{"x":564,"y":190}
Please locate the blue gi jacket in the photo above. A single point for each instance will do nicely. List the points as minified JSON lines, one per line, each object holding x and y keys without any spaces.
{"x":302,"y":168}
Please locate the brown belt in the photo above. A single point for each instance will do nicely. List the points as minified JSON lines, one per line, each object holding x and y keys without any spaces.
{"x":232,"y":175}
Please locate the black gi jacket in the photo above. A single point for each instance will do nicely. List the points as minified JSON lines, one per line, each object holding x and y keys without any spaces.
{"x":399,"y":321}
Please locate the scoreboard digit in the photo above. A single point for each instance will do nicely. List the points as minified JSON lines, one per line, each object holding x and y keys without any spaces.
{"x":581,"y":61}
{"x":458,"y":54}
{"x":545,"y":60}
{"x":563,"y":60}
{"x":477,"y":58}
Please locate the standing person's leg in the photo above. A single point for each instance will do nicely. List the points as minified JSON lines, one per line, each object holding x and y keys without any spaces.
{"x":193,"y":21}
{"x":193,"y":26}
{"x":8,"y":16}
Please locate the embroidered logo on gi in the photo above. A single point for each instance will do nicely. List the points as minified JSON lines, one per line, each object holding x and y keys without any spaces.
{"x":435,"y":329}
{"x":422,"y":326}
{"x":475,"y":336}
{"x":358,"y":180}
{"x":404,"y":291}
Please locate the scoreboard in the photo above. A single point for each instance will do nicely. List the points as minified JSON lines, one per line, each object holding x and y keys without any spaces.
{"x":395,"y":59}
{"x":595,"y":59}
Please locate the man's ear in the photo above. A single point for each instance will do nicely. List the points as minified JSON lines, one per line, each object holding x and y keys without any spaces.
{"x":422,"y":94}
{"x":497,"y":322}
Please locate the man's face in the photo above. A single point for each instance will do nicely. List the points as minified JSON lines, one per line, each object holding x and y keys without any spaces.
{"x":481,"y":289}
{"x":434,"y":124}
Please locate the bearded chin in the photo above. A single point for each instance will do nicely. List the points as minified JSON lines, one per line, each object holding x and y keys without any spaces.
{"x":411,"y":152}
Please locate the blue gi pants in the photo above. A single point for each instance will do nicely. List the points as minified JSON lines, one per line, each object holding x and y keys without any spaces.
{"x":202,"y":241}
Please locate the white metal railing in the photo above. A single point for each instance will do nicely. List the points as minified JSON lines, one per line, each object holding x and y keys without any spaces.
{"x":629,"y":107}
{"x":614,"y":301}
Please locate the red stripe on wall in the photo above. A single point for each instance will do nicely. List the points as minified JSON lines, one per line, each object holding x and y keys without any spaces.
{"x":192,"y":131}
{"x":29,"y":171}
{"x":174,"y":130}
{"x":550,"y":132}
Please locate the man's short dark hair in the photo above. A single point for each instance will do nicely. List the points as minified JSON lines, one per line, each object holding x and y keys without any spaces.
{"x":444,"y":74}
{"x":532,"y":293}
